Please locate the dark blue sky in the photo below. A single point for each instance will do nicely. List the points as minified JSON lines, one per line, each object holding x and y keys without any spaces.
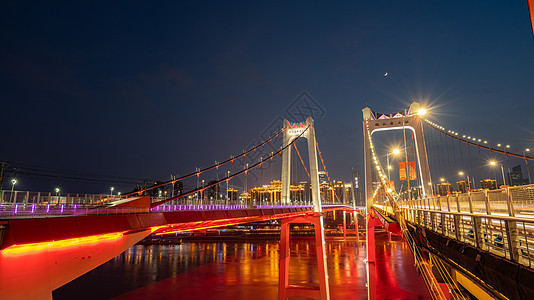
{"x":146,"y":90}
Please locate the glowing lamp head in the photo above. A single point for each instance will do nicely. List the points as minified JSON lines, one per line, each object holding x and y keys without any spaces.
{"x":389,"y":190}
{"x":13,"y":181}
{"x":493,"y":163}
{"x":442,"y":179}
{"x":57,"y":190}
{"x":421,"y":112}
{"x":460,"y":173}
{"x":389,"y":167}
{"x":396,"y":151}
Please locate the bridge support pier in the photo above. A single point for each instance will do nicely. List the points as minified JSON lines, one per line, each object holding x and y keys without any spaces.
{"x":372,"y":222}
{"x":285,"y":290}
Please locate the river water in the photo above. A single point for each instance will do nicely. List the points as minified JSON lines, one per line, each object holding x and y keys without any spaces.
{"x":245,"y":270}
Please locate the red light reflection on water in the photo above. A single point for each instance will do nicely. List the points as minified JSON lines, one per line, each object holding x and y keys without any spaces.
{"x":252,"y":273}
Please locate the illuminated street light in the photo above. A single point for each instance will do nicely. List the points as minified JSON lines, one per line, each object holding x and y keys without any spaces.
{"x":528,"y":169}
{"x":13,"y":182}
{"x":494,"y":163}
{"x":57,"y":194}
{"x":421,"y":112}
{"x":394,"y":152}
{"x":111,"y":190}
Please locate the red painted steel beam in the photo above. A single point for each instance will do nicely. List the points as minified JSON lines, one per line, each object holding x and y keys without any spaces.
{"x":27,"y":231}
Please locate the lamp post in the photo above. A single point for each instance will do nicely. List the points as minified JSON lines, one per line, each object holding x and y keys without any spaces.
{"x":395,"y":152}
{"x":57,"y":194}
{"x":526,"y":161}
{"x":111,"y":190}
{"x":494,"y":163}
{"x":13,"y":182}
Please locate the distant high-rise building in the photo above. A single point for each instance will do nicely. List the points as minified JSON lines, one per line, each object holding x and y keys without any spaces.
{"x":232,"y":194}
{"x":488,"y":184}
{"x":214,"y":191}
{"x":358,"y":199}
{"x":463,"y":186}
{"x":178,"y":188}
{"x":322,"y":176}
{"x":339,"y":191}
{"x":516,"y":176}
{"x":444,"y":188}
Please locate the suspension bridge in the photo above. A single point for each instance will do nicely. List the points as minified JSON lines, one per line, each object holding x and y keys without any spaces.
{"x":475,"y":240}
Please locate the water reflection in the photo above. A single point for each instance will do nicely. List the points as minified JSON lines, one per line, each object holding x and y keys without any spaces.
{"x":239,"y":270}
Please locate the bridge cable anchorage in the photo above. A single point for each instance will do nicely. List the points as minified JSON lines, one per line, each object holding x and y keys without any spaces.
{"x":326,"y":172}
{"x":217,"y":165}
{"x":425,"y":270}
{"x":279,"y":152}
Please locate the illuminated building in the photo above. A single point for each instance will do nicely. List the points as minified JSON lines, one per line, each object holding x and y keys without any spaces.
{"x":463,"y":186}
{"x":178,"y":188}
{"x":327,"y":192}
{"x":488,"y":184}
{"x":214,"y":191}
{"x":232,"y":194}
{"x":444,"y":188}
{"x":322,"y":177}
{"x":339,"y":191}
{"x":516,"y":176}
{"x":299,"y":193}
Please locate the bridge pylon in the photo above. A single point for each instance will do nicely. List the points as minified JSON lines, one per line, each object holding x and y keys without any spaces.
{"x":408,"y":121}
{"x":291,"y":132}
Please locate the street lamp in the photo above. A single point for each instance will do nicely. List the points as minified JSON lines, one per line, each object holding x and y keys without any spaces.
{"x":421,"y":111}
{"x":394,"y":152}
{"x":494,"y":163}
{"x":526,"y":161}
{"x":57,"y":194}
{"x":13,"y":182}
{"x":111,"y":189}
{"x":461,"y":173}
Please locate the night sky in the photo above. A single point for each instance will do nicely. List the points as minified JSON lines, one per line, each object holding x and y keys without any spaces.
{"x":150,"y":89}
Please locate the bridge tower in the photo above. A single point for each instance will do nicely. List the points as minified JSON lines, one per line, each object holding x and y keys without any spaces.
{"x":285,"y":291}
{"x":371,"y":123}
{"x":291,"y":132}
{"x":408,"y":121}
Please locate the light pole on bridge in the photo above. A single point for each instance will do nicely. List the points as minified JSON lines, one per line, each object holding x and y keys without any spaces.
{"x":13,"y":182}
{"x":526,"y":161}
{"x":395,"y":152}
{"x":494,"y":163}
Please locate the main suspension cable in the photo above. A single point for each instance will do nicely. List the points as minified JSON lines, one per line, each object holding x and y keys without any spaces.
{"x":245,"y":171}
{"x":214,"y":166}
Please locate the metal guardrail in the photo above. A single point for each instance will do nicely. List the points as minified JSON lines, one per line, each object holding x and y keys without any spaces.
{"x":25,"y":204}
{"x":26,"y":197}
{"x":499,"y":221}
